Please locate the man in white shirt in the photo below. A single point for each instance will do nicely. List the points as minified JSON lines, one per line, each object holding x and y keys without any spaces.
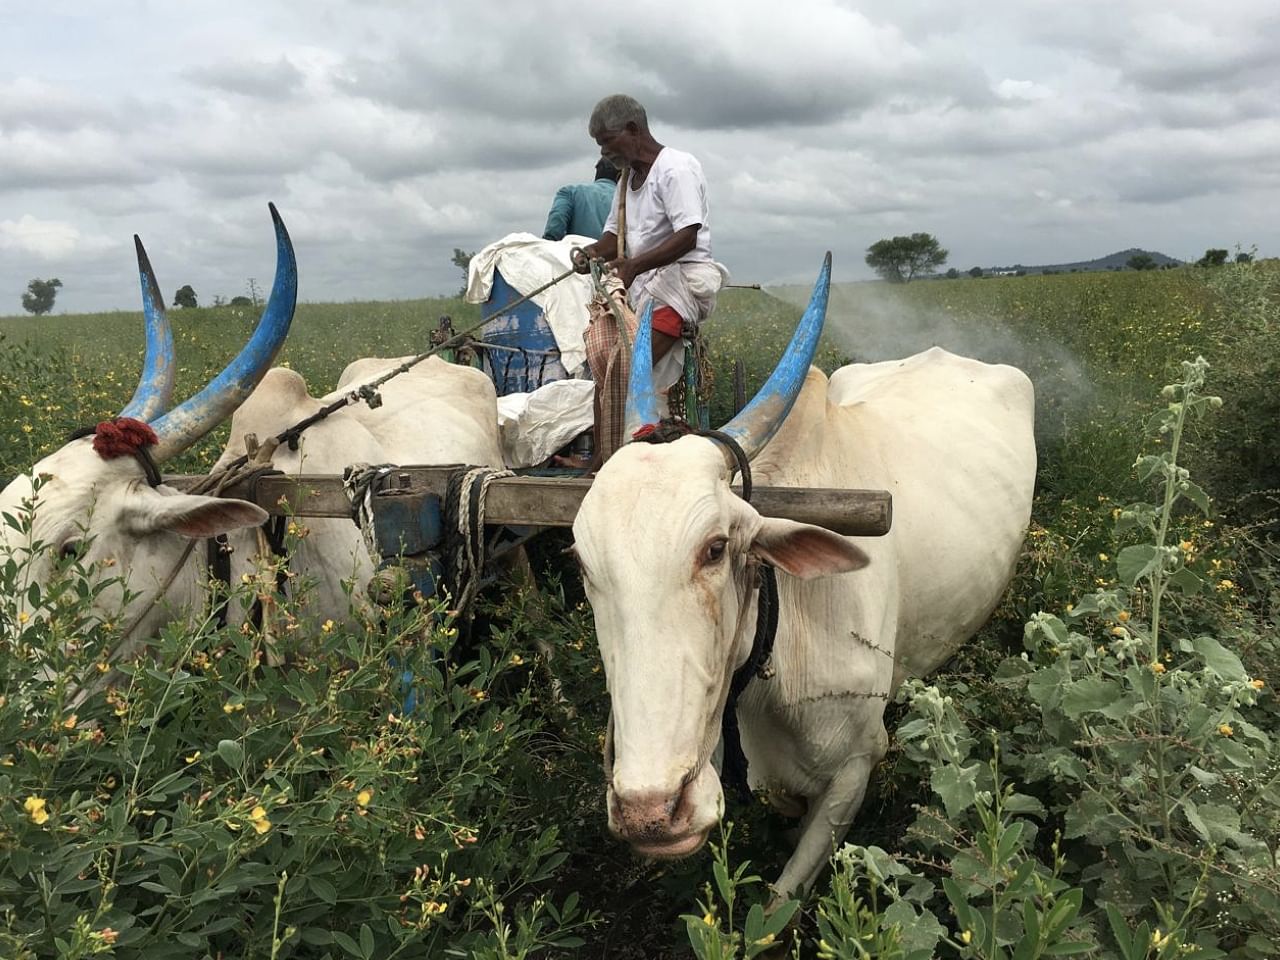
{"x":666,"y":256}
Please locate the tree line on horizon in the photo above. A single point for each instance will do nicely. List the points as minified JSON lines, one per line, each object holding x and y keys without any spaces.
{"x":902,"y":259}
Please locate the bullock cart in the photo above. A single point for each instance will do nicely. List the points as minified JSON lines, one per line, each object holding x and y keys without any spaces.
{"x":441,"y":523}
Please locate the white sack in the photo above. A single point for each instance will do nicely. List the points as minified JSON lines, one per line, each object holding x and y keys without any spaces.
{"x":535,"y":425}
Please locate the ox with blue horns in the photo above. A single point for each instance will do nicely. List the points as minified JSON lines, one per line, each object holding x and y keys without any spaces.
{"x":670,"y":557}
{"x":100,"y":497}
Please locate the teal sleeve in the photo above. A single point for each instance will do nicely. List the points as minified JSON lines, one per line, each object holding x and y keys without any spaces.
{"x":558,"y":219}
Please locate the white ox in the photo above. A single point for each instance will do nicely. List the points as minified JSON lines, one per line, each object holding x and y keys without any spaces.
{"x":668,"y":552}
{"x":107,"y":513}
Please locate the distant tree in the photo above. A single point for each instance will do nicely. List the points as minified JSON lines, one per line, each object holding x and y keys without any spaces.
{"x":1141,"y":261}
{"x":219,"y":300}
{"x":40,"y":295}
{"x":900,"y":259}
{"x":1243,"y":257}
{"x":462,"y":260}
{"x":975,"y":272}
{"x":1019,"y":273}
{"x":953,"y":274}
{"x":255,"y":296}
{"x":1213,"y":257}
{"x":241,"y":302}
{"x":185,"y":297}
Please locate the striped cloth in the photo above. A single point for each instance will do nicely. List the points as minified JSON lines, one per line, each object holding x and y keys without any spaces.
{"x":609,"y":357}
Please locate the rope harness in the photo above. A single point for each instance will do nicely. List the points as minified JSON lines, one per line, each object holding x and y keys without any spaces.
{"x":464,"y":514}
{"x":464,"y":522}
{"x":758,"y":662}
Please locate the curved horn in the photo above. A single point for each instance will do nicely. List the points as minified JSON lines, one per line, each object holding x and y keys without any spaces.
{"x":642,"y":400}
{"x":185,"y":424}
{"x":760,"y":419}
{"x":155,"y":386}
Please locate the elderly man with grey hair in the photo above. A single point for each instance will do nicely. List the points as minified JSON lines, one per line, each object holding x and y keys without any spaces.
{"x":666,"y":254}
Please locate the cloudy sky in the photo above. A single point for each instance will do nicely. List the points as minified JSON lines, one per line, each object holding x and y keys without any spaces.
{"x":390,"y":132}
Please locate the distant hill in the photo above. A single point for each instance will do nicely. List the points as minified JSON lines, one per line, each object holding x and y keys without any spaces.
{"x":1112,"y":261}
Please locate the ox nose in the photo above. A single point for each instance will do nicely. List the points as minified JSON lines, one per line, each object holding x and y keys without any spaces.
{"x":653,"y":817}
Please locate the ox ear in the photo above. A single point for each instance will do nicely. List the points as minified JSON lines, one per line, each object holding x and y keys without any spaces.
{"x":190,"y":515}
{"x":805,"y":551}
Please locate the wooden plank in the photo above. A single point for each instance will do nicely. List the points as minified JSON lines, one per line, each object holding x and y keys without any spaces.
{"x":554,"y":501}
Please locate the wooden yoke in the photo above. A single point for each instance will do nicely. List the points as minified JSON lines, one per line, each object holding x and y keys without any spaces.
{"x":554,"y":501}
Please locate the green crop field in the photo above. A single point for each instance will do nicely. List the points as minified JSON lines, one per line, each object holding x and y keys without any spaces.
{"x":1094,"y":775}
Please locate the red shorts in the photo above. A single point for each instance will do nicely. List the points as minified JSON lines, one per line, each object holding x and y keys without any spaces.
{"x":666,"y":320}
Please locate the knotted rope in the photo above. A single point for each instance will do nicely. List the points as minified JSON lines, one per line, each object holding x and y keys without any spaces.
{"x":465,"y":512}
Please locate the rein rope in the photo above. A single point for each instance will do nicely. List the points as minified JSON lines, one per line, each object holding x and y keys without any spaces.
{"x":734,"y":764}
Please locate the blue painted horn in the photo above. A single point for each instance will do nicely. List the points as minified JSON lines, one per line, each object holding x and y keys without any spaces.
{"x":185,"y":424}
{"x":155,"y":386}
{"x":642,"y":399}
{"x":760,"y":419}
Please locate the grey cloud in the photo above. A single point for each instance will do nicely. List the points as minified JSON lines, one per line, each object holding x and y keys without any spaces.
{"x":269,"y":81}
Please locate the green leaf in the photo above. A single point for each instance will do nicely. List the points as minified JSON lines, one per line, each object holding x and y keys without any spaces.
{"x":956,"y":786}
{"x":1219,"y":659}
{"x":346,"y":943}
{"x":323,"y":889}
{"x":722,"y":881}
{"x":1068,"y":948}
{"x":1089,"y":695}
{"x":1137,"y":561}
{"x":1063,"y":912}
{"x":1196,"y":495}
{"x":366,"y":940}
{"x":232,"y":754}
{"x":1021,"y":803}
{"x":780,"y":918}
{"x":1186,"y":581}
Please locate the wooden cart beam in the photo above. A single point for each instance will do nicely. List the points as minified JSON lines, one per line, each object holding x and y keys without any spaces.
{"x":554,"y":501}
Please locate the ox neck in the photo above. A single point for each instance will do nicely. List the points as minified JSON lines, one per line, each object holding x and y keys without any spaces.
{"x":757,"y":664}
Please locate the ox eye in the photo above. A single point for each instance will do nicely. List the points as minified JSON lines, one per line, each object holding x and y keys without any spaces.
{"x":713,"y":552}
{"x":70,"y":550}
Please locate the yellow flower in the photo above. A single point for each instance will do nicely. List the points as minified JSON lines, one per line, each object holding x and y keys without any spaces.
{"x":23,"y":616}
{"x":194,"y":757}
{"x":258,"y":817}
{"x":107,"y":935}
{"x":364,"y":796}
{"x":1186,"y":546}
{"x":1158,"y":939}
{"x":327,"y":626}
{"x":1257,"y":684}
{"x":35,"y":808}
{"x":1123,"y":616}
{"x":709,"y":919}
{"x":26,"y":428}
{"x":1225,"y":585}
{"x":1226,"y":729}
{"x":1103,"y":557}
{"x":70,"y":722}
{"x":1157,"y":667}
{"x":516,"y":660}
{"x":232,"y":707}
{"x":966,"y":936}
{"x":1119,"y":632}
